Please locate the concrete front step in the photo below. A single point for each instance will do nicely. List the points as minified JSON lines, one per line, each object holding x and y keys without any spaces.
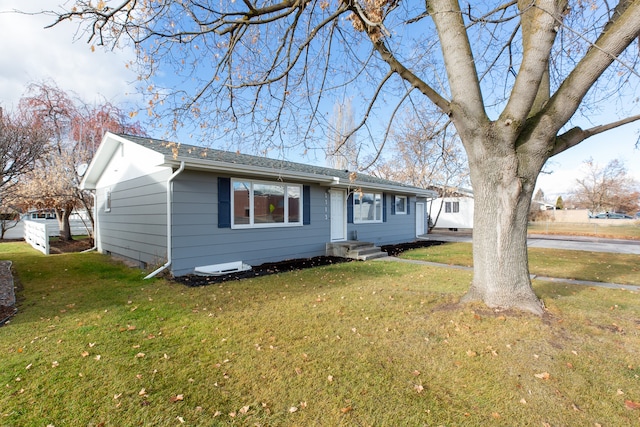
{"x":355,"y":250}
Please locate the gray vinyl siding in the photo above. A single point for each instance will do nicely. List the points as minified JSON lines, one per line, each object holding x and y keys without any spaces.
{"x":198,"y":241}
{"x":398,"y":228}
{"x":136,"y":226}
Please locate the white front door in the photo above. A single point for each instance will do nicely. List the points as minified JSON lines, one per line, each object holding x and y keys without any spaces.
{"x":419,"y":219}
{"x":338,"y":215}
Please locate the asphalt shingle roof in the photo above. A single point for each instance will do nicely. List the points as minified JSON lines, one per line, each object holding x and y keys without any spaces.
{"x":202,"y":154}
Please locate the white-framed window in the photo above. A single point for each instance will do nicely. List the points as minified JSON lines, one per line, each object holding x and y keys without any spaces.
{"x":452,"y":207}
{"x":265,"y":204}
{"x":107,"y":200}
{"x":400,"y":205}
{"x":367,"y":207}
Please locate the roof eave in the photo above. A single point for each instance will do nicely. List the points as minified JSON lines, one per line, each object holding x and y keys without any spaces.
{"x":108,"y":146}
{"x":324,"y":180}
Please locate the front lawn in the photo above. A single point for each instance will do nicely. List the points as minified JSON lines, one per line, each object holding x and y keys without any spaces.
{"x":363,"y":343}
{"x":581,"y":265}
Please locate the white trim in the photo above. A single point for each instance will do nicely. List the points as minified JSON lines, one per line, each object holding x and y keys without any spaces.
{"x":406,"y":200}
{"x":107,"y":199}
{"x":341,"y":211}
{"x":357,"y":220}
{"x":252,"y":224}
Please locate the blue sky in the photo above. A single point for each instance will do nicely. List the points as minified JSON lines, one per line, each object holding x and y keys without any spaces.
{"x":30,"y":53}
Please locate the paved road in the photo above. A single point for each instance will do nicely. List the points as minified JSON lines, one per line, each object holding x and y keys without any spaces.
{"x":578,"y":243}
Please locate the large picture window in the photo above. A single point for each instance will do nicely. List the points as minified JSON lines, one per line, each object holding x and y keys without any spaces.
{"x":367,"y":207}
{"x":265,"y":204}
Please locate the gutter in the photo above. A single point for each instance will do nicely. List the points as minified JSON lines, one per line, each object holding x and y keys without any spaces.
{"x":169,"y":216}
{"x":323,"y":180}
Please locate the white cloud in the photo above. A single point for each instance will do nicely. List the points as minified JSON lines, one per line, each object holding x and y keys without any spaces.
{"x":31,"y":54}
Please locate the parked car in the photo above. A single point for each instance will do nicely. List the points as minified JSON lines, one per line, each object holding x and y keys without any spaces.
{"x":637,"y":215}
{"x":613,"y":215}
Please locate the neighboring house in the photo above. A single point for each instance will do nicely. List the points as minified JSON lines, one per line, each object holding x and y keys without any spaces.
{"x":456,"y":212}
{"x":186,"y":206}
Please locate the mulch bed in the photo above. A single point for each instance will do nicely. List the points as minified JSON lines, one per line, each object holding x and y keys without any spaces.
{"x":7,"y":295}
{"x":395,"y":250}
{"x":194,"y":280}
{"x":60,"y":247}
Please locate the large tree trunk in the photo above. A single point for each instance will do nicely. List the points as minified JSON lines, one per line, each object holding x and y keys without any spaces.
{"x":503,"y":187}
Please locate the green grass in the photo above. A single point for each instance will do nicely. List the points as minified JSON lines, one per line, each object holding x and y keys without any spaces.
{"x":581,"y":265}
{"x":367,"y":343}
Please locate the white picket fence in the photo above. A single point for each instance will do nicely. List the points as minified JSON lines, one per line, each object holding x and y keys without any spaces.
{"x":36,"y":233}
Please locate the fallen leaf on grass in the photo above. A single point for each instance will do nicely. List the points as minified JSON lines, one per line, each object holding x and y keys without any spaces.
{"x":180,"y":419}
{"x":543,"y":375}
{"x":84,"y":353}
{"x":54,"y":364}
{"x":139,"y":355}
{"x":419,"y":388}
{"x":629,"y":404}
{"x":177,"y":398}
{"x":293,"y":409}
{"x":346,"y":410}
{"x":142,"y":392}
{"x":244,"y":409}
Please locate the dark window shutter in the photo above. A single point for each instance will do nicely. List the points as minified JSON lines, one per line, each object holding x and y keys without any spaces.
{"x":393,"y":205}
{"x":306,"y":205}
{"x":224,"y":202}
{"x":384,"y":207}
{"x":350,"y":208}
{"x":408,"y":205}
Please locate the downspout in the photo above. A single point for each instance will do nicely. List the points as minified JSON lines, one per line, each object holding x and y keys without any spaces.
{"x":169,"y":216}
{"x":95,"y":223}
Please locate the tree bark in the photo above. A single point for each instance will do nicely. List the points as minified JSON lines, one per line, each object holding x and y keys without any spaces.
{"x":64,"y":224}
{"x":503,"y":187}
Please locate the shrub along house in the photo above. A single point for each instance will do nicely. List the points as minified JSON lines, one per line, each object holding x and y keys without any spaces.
{"x":188,"y":208}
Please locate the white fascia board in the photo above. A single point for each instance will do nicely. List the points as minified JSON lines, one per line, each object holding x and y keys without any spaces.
{"x":248,"y":170}
{"x":101,"y":159}
{"x":323,"y":180}
{"x":337,"y":183}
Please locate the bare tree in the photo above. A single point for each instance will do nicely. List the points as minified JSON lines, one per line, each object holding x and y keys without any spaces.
{"x":606,"y":188}
{"x":510,"y":77}
{"x":342,"y":150}
{"x":75,"y":130}
{"x":426,"y":153}
{"x":22,"y":142}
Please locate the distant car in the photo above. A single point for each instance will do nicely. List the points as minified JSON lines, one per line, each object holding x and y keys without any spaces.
{"x":637,"y":215}
{"x":613,"y":215}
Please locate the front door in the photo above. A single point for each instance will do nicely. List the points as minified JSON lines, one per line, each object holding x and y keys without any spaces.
{"x":419,"y":219}
{"x":338,"y":216}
